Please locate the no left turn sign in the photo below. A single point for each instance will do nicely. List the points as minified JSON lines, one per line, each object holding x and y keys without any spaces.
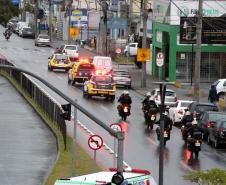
{"x":95,"y":142}
{"x":160,"y":59}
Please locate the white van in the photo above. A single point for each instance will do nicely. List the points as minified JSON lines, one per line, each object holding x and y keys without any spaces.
{"x":132,"y":177}
{"x":20,"y":25}
{"x":103,"y":64}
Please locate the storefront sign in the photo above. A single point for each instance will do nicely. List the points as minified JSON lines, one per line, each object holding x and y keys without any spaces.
{"x":143,"y":54}
{"x":213,"y":30}
{"x":190,"y":9}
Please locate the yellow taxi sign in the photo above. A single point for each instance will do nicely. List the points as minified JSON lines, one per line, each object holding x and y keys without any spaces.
{"x":74,"y":32}
{"x":143,"y":54}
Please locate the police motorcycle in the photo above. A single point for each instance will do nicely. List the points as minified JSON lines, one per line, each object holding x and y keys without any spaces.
{"x":194,"y":143}
{"x":124,"y":111}
{"x":150,"y":117}
{"x":166,"y":131}
{"x":186,"y":124}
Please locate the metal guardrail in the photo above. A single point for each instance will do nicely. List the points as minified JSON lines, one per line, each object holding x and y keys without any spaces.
{"x":48,"y":105}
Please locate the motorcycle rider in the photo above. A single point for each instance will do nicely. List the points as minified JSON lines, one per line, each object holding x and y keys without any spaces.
{"x":186,"y":123}
{"x":124,"y":99}
{"x":194,"y":129}
{"x":187,"y":118}
{"x":7,"y":33}
{"x":146,"y":100}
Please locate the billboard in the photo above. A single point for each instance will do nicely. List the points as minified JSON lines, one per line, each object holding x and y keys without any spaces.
{"x":213,"y":30}
{"x":79,"y":18}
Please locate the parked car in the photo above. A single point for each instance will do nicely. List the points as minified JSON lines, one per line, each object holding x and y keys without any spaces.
{"x":42,"y":40}
{"x":198,"y":108}
{"x":103,"y":65}
{"x":170,"y":97}
{"x":19,"y":26}
{"x":220,"y":86}
{"x":71,"y":50}
{"x":100,"y":85}
{"x":217,"y":133}
{"x":208,"y":118}
{"x":176,"y":113}
{"x":26,"y":32}
{"x":59,"y":61}
{"x":122,"y":78}
{"x":131,"y":49}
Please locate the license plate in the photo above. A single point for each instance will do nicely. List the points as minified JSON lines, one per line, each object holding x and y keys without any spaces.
{"x":165,"y":135}
{"x":197,"y":144}
{"x":126,"y":109}
{"x":152,"y":118}
{"x":102,"y":92}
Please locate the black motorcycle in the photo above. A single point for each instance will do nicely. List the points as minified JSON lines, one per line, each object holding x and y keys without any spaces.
{"x":124,"y":111}
{"x":150,"y":118}
{"x":194,"y":144}
{"x":184,"y":131}
{"x":7,"y":35}
{"x":166,"y":134}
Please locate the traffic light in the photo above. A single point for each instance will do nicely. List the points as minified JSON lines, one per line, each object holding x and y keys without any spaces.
{"x":40,"y":13}
{"x":67,"y":112}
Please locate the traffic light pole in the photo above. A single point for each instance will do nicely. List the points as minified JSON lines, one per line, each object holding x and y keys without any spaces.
{"x":74,"y":142}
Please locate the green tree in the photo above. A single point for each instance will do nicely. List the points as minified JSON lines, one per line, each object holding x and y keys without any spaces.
{"x":7,"y":11}
{"x":213,"y":176}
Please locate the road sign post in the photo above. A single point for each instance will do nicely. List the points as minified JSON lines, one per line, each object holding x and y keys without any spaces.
{"x":160,"y":62}
{"x":95,"y":142}
{"x":116,"y":127}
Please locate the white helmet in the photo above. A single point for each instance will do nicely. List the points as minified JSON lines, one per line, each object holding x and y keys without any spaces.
{"x":125,"y":92}
{"x":194,"y":122}
{"x":148,"y":94}
{"x":166,"y":113}
{"x":187,"y":113}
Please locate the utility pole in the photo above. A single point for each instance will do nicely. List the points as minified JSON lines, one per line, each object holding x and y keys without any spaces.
{"x":144,"y":40}
{"x":129,"y":27}
{"x":198,"y":52}
{"x":36,"y":18}
{"x":69,"y":20}
{"x":105,"y":8}
{"x":50,"y":20}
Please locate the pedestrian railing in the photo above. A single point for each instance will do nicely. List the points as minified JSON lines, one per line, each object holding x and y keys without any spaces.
{"x":48,"y":105}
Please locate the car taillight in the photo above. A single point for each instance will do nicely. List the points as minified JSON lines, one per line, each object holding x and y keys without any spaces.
{"x":209,"y":123}
{"x":181,"y":112}
{"x":157,"y":98}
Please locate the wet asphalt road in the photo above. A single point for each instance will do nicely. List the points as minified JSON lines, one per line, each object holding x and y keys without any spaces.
{"x":141,"y":147}
{"x":28,"y":148}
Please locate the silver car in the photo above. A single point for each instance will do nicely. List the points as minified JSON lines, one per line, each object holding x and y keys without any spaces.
{"x":122,"y":77}
{"x":170,"y":97}
{"x":42,"y":40}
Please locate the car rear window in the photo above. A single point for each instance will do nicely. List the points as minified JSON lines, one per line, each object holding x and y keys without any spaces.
{"x":43,"y":36}
{"x":103,"y":79}
{"x":103,"y":62}
{"x":61,"y":57}
{"x":71,"y":47}
{"x":217,"y":116}
{"x":86,"y":67}
{"x":206,"y":108}
{"x":27,"y":29}
{"x":117,"y":73}
{"x":168,"y":93}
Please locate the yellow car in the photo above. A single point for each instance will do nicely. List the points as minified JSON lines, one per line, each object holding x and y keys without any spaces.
{"x":81,"y":71}
{"x":59,"y":61}
{"x":100,"y":85}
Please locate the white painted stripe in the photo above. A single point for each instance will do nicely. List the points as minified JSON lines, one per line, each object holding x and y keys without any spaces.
{"x":103,"y":107}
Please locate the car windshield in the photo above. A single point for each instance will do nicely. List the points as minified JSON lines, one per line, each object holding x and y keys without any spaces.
{"x":120,"y":73}
{"x":103,"y":79}
{"x":71,"y":47}
{"x":206,"y":108}
{"x":168,"y":93}
{"x":217,"y":116}
{"x":43,"y":36}
{"x":61,"y":57}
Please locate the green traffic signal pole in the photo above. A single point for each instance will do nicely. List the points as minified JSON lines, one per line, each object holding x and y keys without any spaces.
{"x":118,"y":135}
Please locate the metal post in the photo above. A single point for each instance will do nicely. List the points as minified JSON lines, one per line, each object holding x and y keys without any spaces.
{"x":129,"y":27}
{"x":161,"y":164}
{"x":144,"y":41}
{"x":69,"y":22}
{"x":36,"y":18}
{"x":120,"y":136}
{"x":50,"y":20}
{"x":159,"y":74}
{"x":74,"y":142}
{"x":115,"y":152}
{"x":192,"y":61}
{"x":94,"y":161}
{"x":198,"y":52}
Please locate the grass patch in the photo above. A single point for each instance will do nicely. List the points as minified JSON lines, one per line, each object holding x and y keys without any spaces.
{"x":122,"y":59}
{"x":63,"y":166}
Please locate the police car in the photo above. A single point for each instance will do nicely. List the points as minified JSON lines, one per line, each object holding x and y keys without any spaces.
{"x":131,"y":177}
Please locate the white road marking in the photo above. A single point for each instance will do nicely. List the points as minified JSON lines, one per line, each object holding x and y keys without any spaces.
{"x":103,"y":107}
{"x":59,"y":77}
{"x":153,"y":142}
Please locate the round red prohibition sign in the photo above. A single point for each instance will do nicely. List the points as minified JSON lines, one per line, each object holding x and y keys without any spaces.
{"x":118,"y":50}
{"x":95,"y":142}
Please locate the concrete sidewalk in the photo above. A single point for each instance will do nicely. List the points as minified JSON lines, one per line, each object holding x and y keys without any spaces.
{"x":28,"y":148}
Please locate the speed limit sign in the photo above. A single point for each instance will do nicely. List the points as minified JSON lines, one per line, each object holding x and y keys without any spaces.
{"x":160,"y":59}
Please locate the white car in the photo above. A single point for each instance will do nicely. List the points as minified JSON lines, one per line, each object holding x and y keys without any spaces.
{"x":220,"y":85}
{"x":42,"y":39}
{"x":170,"y":97}
{"x":71,"y":50}
{"x":131,"y":49}
{"x":177,"y":112}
